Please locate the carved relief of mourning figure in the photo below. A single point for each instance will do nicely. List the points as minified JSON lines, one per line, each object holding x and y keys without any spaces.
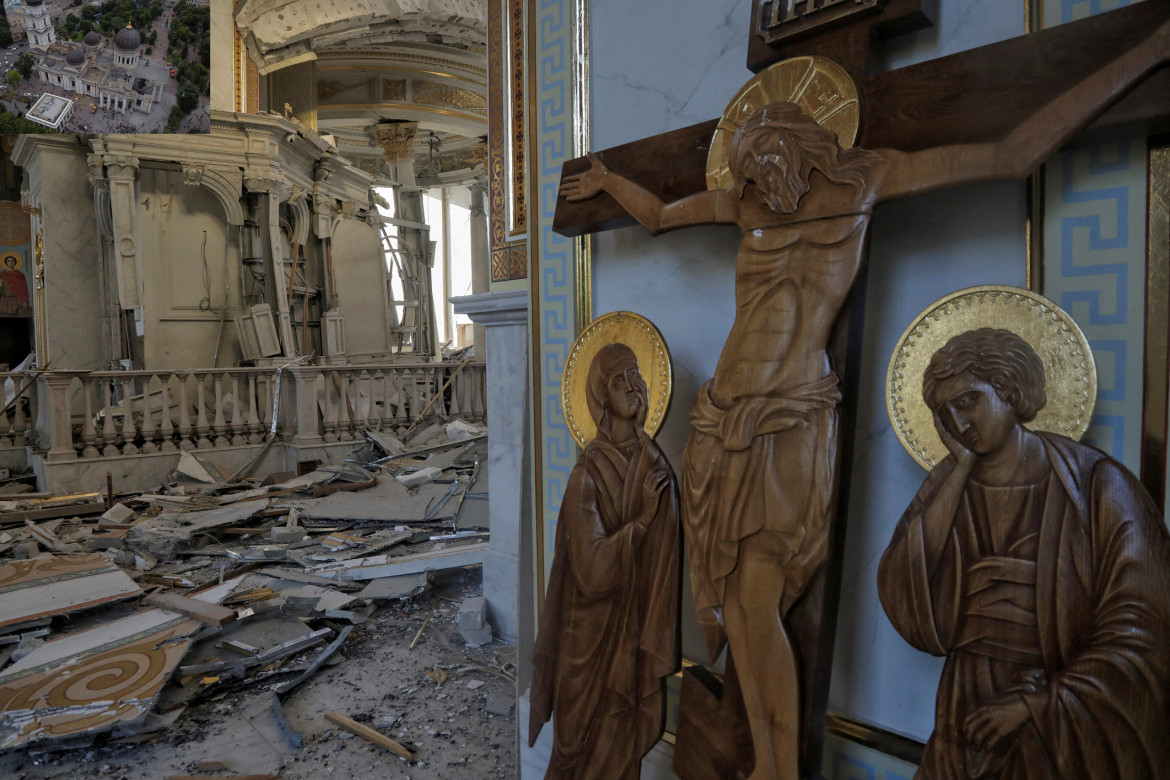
{"x":1040,"y":568}
{"x":608,"y":632}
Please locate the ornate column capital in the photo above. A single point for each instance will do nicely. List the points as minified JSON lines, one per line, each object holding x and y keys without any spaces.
{"x":121,"y":165}
{"x":396,"y":140}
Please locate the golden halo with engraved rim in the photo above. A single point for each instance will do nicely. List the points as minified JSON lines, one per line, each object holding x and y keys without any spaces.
{"x":11,"y":261}
{"x":640,"y":335}
{"x":820,"y":87}
{"x":1070,"y":375}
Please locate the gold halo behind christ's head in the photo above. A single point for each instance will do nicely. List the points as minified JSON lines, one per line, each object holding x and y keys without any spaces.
{"x":1069,"y":371}
{"x":637,"y":333}
{"x":820,"y":87}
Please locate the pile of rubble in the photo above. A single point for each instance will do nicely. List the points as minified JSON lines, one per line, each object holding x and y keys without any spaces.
{"x":124,"y":617}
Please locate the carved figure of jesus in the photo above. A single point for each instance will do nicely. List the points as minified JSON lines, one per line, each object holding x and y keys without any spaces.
{"x":759,"y":468}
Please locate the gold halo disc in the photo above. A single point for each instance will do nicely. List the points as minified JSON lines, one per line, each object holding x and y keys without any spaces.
{"x":640,"y":335}
{"x":819,"y":86}
{"x":11,"y":261}
{"x":1069,"y":371}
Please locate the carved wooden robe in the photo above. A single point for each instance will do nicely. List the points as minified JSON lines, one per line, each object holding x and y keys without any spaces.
{"x":1058,"y":592}
{"x":608,"y":633}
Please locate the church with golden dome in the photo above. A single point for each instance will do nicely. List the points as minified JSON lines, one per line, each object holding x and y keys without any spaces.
{"x":115,"y":75}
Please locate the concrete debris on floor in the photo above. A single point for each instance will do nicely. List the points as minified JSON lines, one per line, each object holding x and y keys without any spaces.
{"x":287,"y":626}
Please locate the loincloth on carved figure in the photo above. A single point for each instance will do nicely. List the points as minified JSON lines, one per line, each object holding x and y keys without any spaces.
{"x":764,"y":465}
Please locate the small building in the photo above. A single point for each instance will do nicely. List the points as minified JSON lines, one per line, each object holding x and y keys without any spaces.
{"x":51,"y":111}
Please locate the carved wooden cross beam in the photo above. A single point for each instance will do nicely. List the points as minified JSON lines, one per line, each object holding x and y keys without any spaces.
{"x":978,"y":95}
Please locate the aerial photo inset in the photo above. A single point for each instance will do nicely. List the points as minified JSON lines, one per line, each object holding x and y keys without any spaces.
{"x":119,"y":66}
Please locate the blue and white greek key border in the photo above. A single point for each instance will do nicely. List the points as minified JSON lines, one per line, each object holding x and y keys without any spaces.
{"x":551,"y":56}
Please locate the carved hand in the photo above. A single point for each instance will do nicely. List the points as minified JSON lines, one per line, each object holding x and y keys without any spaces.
{"x":989,"y":724}
{"x":964,"y":456}
{"x":583,"y":186}
{"x":652,"y":490}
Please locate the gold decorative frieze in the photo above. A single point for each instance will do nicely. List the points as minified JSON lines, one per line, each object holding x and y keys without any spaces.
{"x":519,"y":188}
{"x":431,"y":93}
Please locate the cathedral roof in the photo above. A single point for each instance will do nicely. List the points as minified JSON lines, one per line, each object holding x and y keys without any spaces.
{"x":32,"y":3}
{"x":75,"y":57}
{"x":127,"y":39}
{"x":92,"y":38}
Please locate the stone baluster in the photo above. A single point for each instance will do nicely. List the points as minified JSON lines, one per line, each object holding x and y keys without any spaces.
{"x":387,"y":416}
{"x":5,"y":428}
{"x":329,"y":413}
{"x":88,"y":432}
{"x":129,"y":432}
{"x":254,"y":433}
{"x":457,"y":389}
{"x":166,"y":427}
{"x":441,"y":375}
{"x":109,"y":432}
{"x":19,"y":421}
{"x":202,"y":427}
{"x":370,"y":418}
{"x":478,"y":402}
{"x":400,"y":398}
{"x":264,"y":402}
{"x":186,"y":432}
{"x":220,"y":426}
{"x":238,"y":425}
{"x":345,"y":416}
{"x":148,"y":428}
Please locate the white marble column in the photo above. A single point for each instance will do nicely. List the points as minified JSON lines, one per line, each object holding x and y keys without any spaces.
{"x":504,"y":316}
{"x":69,"y":287}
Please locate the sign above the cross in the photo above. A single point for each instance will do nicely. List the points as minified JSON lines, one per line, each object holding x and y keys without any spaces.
{"x":840,"y":29}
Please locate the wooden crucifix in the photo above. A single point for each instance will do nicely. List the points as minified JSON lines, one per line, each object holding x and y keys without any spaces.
{"x":760,"y":474}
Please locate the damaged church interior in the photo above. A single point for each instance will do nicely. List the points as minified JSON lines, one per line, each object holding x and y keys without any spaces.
{"x":358,"y":437}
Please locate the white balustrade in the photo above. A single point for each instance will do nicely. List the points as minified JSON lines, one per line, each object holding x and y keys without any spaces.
{"x":112,"y":414}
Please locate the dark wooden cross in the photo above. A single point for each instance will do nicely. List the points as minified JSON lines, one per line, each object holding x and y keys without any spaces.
{"x":975,"y":96}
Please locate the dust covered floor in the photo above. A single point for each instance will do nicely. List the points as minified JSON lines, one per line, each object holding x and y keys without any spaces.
{"x":451,"y":704}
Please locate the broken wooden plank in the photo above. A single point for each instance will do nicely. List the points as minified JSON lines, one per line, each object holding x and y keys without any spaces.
{"x":368,"y":734}
{"x":71,"y":510}
{"x":58,"y":584}
{"x":388,"y":566}
{"x":211,"y":614}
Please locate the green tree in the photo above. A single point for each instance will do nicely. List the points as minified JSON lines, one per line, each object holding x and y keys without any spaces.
{"x":175,"y":119}
{"x":188,"y":98}
{"x":24,"y":64}
{"x":15,"y":123}
{"x":89,"y":12}
{"x":13,"y":79}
